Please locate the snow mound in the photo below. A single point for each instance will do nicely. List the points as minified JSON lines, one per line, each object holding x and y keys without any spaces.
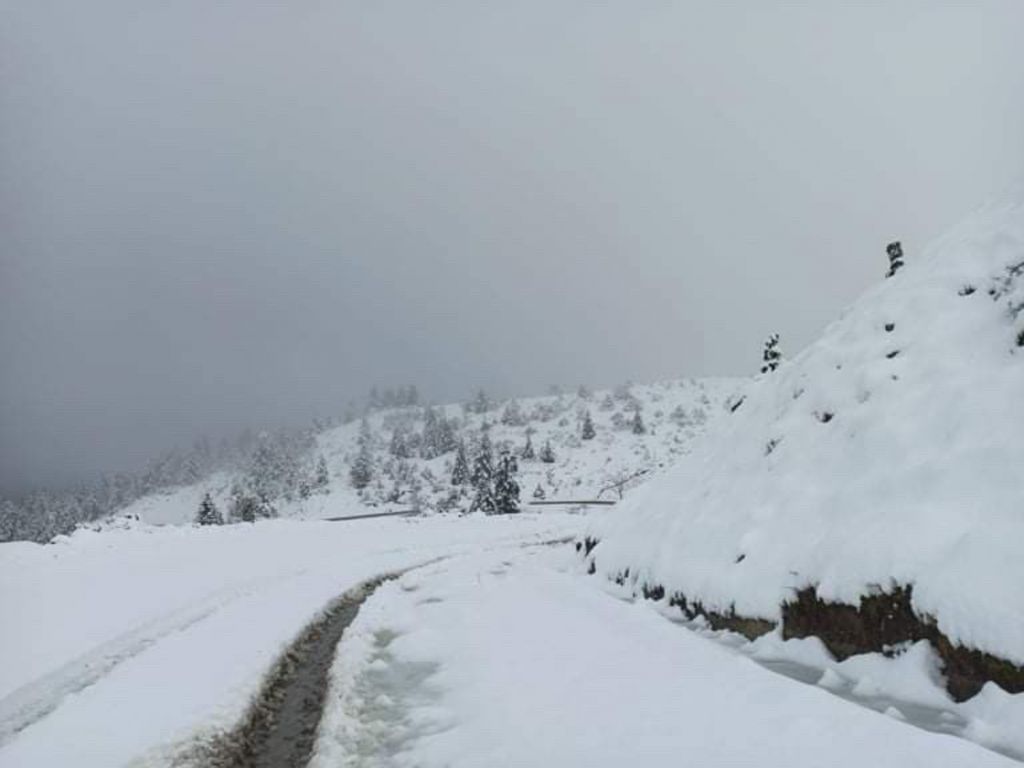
{"x":888,"y":452}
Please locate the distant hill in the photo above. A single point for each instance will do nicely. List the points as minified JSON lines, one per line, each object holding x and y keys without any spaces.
{"x":410,"y":471}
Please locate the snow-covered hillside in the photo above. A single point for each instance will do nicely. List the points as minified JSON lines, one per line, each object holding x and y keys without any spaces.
{"x":615,"y":460}
{"x":886,"y":455}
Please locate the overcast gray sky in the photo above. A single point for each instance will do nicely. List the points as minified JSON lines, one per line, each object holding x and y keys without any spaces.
{"x":214,"y":214}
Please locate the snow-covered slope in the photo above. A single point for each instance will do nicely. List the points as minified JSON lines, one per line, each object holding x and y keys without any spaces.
{"x":888,"y":453}
{"x":674,"y":413}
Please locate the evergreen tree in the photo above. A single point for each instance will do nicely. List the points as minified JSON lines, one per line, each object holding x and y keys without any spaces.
{"x":538,"y":493}
{"x":506,"y":489}
{"x":460,"y":472}
{"x":361,"y":472}
{"x":547,"y":453}
{"x":482,"y":478}
{"x":895,"y":252}
{"x":208,"y":513}
{"x":512,"y":416}
{"x":323,"y":477}
{"x":447,"y":434}
{"x":244,"y":505}
{"x":399,"y":446}
{"x":430,"y":444}
{"x":638,"y":423}
{"x":264,"y":508}
{"x":772,"y":355}
{"x":528,"y":453}
{"x":588,"y":427}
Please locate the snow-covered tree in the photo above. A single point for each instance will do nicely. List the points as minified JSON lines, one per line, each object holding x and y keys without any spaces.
{"x":244,"y":505}
{"x":772,"y":355}
{"x":588,"y":432}
{"x":895,"y":253}
{"x":538,"y":493}
{"x":430,"y":443}
{"x":400,"y":446}
{"x":512,"y":416}
{"x":208,"y":513}
{"x":323,"y":477}
{"x":361,"y":472}
{"x":482,"y":478}
{"x":460,"y":470}
{"x":547,"y":453}
{"x":506,"y":489}
{"x":527,"y":453}
{"x":638,"y":423}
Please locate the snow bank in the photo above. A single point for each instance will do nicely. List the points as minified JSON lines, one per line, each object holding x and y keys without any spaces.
{"x":889,"y":452}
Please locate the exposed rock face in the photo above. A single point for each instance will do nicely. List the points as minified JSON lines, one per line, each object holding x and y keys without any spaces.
{"x":886,"y":619}
{"x":881,"y":622}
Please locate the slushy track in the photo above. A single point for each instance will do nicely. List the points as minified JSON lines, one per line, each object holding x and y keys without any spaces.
{"x":279,"y":729}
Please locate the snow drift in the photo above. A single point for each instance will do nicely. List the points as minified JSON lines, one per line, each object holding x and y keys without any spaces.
{"x":887,"y":455}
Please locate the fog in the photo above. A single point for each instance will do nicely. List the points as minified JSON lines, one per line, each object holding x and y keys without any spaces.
{"x":221,"y":214}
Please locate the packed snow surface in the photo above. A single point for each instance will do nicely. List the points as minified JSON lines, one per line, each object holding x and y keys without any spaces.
{"x":126,"y":646}
{"x":888,"y":452}
{"x":124,"y":640}
{"x":511,"y":659}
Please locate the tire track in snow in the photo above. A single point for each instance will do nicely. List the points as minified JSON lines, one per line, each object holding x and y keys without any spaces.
{"x":279,"y":730}
{"x":35,"y":700}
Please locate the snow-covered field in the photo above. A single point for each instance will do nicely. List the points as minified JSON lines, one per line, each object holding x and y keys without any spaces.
{"x":887,"y":453}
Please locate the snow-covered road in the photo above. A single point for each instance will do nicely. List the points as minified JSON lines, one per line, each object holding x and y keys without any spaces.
{"x":515,"y":659}
{"x":125,"y":645}
{"x":128,"y":648}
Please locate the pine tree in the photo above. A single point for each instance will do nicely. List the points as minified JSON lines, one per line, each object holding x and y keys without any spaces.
{"x":638,"y":423}
{"x":460,"y":472}
{"x":772,"y":355}
{"x":361,"y":472}
{"x":447,"y":437}
{"x":528,"y":453}
{"x":430,"y":445}
{"x":547,"y":453}
{"x":208,"y":513}
{"x":538,"y":493}
{"x":588,"y":427}
{"x":506,"y":489}
{"x":323,"y":477}
{"x":482,"y":478}
{"x":264,"y":508}
{"x":895,"y":252}
{"x":399,"y":446}
{"x":512,"y":416}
